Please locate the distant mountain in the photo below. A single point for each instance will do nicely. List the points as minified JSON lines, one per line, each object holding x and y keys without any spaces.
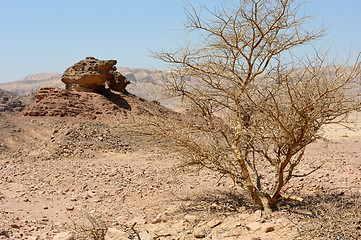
{"x":33,"y":82}
{"x":144,"y":83}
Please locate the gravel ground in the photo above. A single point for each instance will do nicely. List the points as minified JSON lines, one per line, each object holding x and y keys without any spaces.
{"x":56,"y":172}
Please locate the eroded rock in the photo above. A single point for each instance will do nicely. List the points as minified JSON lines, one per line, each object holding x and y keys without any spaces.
{"x":93,"y":75}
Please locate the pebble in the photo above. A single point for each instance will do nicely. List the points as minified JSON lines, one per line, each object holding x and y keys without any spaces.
{"x":15,"y":226}
{"x":199,"y":233}
{"x":190,"y":218}
{"x":268,"y":228}
{"x":214,"y":222}
{"x":254,"y":226}
{"x":70,"y":208}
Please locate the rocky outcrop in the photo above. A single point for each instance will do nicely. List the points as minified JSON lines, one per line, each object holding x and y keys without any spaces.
{"x":95,"y":90}
{"x":93,"y":75}
{"x":10,"y":103}
{"x":85,"y":106}
{"x":145,"y":83}
{"x":56,"y":102}
{"x":47,"y":91}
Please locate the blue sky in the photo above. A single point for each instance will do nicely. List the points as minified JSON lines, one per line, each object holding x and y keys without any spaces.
{"x":50,"y":35}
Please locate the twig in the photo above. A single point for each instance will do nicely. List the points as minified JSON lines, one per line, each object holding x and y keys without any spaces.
{"x":309,"y":173}
{"x":292,"y":198}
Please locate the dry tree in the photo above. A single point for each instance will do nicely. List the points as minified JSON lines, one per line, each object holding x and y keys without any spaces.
{"x":261,"y":105}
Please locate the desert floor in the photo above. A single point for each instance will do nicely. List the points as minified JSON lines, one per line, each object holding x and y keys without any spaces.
{"x":53,"y":176}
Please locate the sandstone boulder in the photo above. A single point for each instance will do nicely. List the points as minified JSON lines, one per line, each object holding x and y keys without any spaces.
{"x":118,"y":82}
{"x":93,"y":75}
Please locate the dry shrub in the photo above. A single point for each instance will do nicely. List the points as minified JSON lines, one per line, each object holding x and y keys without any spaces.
{"x":86,"y":226}
{"x":89,"y":227}
{"x":239,"y":66}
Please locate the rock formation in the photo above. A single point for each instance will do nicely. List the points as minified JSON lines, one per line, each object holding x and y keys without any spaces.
{"x":10,"y":103}
{"x":56,"y":102}
{"x":93,"y":75}
{"x":85,"y":106}
{"x":95,"y":90}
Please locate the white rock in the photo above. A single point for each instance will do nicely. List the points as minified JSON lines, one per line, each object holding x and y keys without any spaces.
{"x":190,"y":218}
{"x":254,"y":226}
{"x":159,"y":218}
{"x":145,"y":236}
{"x":214,"y":222}
{"x":257,"y":215}
{"x":115,"y":234}
{"x":199,"y":233}
{"x":64,"y":236}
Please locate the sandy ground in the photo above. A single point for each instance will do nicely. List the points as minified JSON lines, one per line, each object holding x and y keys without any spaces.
{"x":40,"y":197}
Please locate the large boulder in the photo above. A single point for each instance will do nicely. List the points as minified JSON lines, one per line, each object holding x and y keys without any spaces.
{"x":93,"y":75}
{"x":118,"y":82}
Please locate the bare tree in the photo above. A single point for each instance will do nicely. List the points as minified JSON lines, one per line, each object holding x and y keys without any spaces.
{"x":260,"y":108}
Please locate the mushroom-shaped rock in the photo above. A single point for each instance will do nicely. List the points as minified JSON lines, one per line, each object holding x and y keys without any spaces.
{"x":91,"y":75}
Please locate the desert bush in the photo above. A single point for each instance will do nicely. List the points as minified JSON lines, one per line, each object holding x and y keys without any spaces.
{"x":87,"y":226}
{"x":261,"y":105}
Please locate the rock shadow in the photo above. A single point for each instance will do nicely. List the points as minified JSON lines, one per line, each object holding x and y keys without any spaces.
{"x":118,"y":100}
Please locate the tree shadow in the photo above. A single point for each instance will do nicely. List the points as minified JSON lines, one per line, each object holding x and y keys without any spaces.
{"x":215,"y":202}
{"x":340,"y":199}
{"x":333,"y":213}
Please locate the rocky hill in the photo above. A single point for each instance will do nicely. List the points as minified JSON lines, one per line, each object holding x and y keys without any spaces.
{"x":112,"y":106}
{"x":95,"y":93}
